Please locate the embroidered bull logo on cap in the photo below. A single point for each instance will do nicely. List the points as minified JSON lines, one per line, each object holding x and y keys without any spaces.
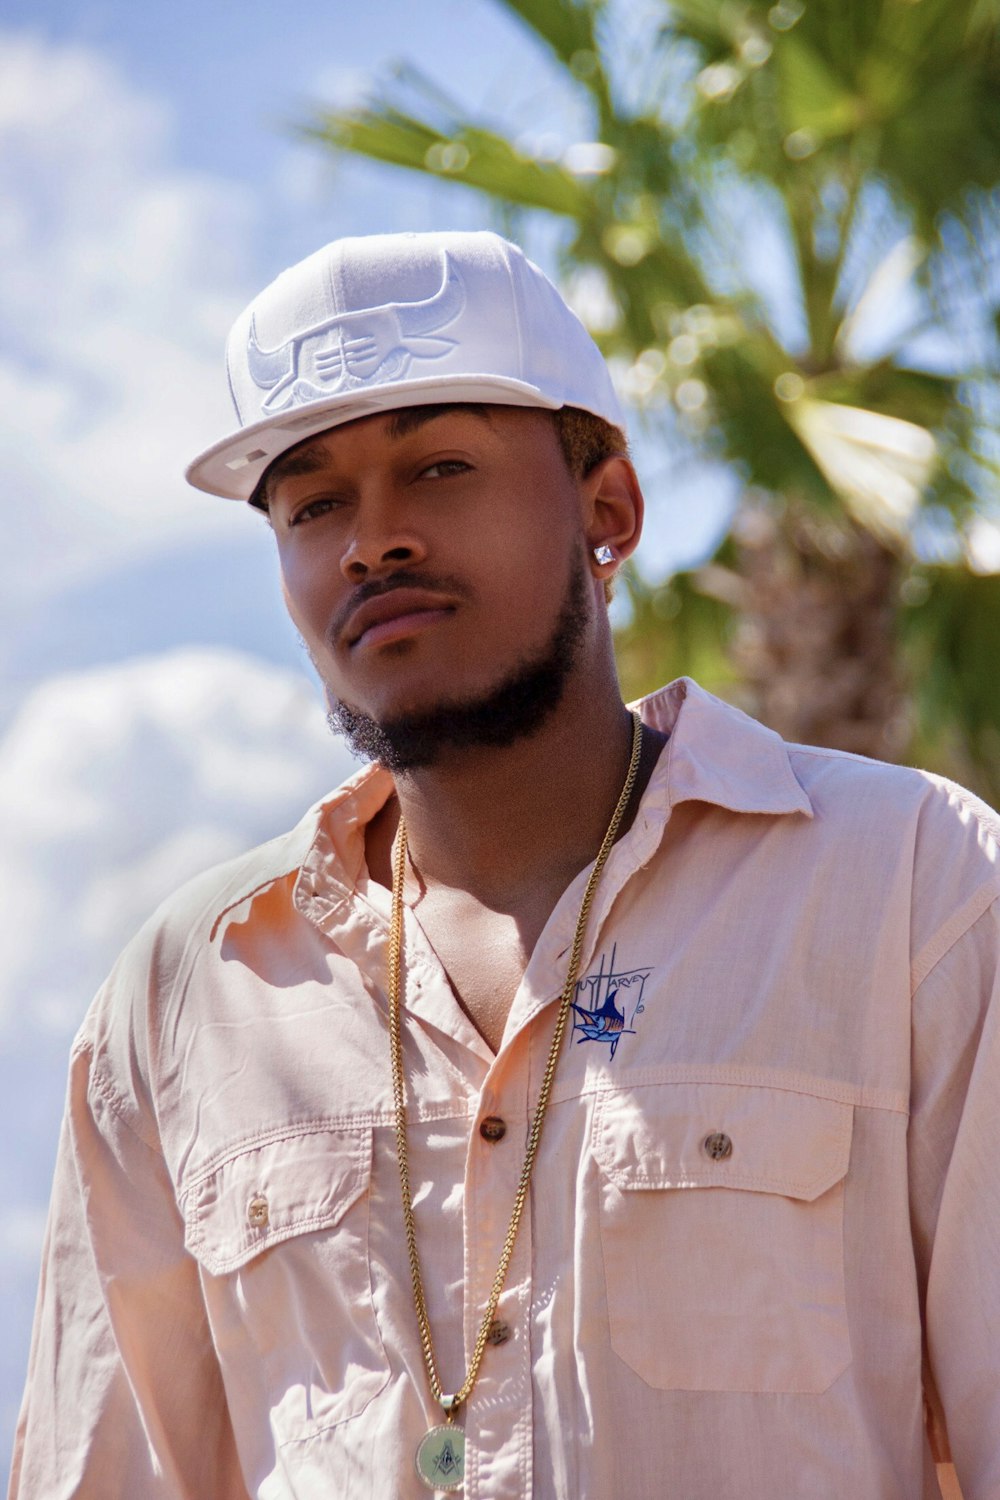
{"x":353,"y":349}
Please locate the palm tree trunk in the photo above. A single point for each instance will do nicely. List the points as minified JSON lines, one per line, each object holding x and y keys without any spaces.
{"x":815,"y":645}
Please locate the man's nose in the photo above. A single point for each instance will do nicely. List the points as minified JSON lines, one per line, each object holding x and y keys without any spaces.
{"x":380,"y":544}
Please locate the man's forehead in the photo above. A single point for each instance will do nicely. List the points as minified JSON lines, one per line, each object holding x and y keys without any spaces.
{"x":314,"y":453}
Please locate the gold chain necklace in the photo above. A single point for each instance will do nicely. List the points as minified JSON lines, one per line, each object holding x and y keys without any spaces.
{"x":440,"y":1457}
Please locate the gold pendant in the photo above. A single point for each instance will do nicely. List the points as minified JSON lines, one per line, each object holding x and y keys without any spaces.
{"x":440,"y":1460}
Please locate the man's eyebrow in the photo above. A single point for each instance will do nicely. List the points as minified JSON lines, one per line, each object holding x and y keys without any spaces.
{"x":309,"y":459}
{"x":409,"y":418}
{"x":306,"y":460}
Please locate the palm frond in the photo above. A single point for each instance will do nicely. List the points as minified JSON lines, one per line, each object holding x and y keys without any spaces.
{"x":857,"y":144}
{"x":470,"y":154}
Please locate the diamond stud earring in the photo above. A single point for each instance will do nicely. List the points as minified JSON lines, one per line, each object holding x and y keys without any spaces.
{"x":604,"y":553}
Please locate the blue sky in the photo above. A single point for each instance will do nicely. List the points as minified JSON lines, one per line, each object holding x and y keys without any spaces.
{"x":150,"y":154}
{"x":156,"y":713}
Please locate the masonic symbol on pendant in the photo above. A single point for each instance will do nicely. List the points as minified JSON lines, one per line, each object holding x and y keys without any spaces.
{"x":441,"y":1458}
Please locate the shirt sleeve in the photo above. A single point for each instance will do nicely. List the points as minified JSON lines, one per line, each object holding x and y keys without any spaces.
{"x":954,"y":1151}
{"x":124,"y":1395}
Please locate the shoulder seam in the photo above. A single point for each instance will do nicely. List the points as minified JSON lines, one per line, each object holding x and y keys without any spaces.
{"x":826,"y":752}
{"x":118,"y":1106}
{"x":949,"y":934}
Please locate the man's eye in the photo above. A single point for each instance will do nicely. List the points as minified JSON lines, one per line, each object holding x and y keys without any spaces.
{"x":312,"y":510}
{"x":444,"y":468}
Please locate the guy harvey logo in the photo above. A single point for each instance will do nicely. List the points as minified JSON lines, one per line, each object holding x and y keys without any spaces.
{"x":348,"y":350}
{"x":608,"y":1003}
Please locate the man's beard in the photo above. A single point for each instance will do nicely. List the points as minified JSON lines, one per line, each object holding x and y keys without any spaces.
{"x":509,"y":712}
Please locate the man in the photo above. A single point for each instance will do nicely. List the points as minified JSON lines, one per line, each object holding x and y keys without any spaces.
{"x":568,"y":1107}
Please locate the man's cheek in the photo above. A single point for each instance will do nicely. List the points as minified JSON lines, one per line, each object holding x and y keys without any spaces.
{"x":302,"y":605}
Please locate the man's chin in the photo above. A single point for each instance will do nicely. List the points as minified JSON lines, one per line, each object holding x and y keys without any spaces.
{"x":423,"y":737}
{"x":512,"y":710}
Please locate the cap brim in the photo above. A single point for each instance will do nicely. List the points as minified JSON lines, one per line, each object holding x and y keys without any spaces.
{"x":233,"y":467}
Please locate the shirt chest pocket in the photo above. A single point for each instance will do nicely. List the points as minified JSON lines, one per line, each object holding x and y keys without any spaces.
{"x":281,"y":1234}
{"x":722,"y":1231}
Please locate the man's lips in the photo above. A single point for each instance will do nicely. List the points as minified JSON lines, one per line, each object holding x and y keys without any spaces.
{"x":393,"y":614}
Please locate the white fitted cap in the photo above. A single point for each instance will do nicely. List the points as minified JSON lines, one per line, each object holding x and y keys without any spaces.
{"x":374,"y":323}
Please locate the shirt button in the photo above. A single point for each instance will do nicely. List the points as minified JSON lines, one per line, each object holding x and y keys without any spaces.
{"x":257,"y":1212}
{"x":493,"y":1129}
{"x":718,"y":1145}
{"x":499,"y":1332}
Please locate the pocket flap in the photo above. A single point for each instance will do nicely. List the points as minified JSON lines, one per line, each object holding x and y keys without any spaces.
{"x":768,"y":1140}
{"x":267,"y":1193}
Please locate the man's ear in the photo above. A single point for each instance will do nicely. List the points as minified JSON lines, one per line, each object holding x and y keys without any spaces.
{"x":613,"y":510}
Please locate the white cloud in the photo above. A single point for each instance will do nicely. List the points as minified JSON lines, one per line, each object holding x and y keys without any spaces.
{"x":118,"y":784}
{"x":121,"y":275}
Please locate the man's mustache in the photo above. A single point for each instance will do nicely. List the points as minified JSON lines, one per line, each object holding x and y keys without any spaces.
{"x":438,"y":583}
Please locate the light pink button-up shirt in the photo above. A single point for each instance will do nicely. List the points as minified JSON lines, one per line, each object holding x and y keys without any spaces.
{"x":792,"y":949}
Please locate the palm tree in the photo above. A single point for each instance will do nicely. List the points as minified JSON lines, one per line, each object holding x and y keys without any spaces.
{"x":785,"y":225}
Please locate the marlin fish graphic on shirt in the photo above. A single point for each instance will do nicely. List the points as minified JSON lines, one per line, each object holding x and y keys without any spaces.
{"x":616,"y":999}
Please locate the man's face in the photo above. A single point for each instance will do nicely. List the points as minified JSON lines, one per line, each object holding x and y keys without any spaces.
{"x":429,"y":557}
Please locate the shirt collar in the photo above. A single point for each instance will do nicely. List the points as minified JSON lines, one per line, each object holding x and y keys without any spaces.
{"x":719,"y":754}
{"x":329,"y":841}
{"x":715,"y":754}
